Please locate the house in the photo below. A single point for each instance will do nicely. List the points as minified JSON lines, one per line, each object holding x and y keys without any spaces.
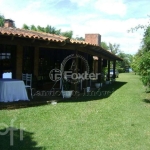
{"x":25,"y":51}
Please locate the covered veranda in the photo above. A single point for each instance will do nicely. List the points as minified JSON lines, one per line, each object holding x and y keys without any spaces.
{"x":36,"y":53}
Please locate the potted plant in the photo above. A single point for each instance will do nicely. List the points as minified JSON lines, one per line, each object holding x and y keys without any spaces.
{"x":100,"y":84}
{"x":97,"y":85}
{"x":113,"y":78}
{"x":66,"y":86}
{"x":107,"y":80}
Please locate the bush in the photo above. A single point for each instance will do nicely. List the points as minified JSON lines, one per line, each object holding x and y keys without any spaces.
{"x":121,"y":70}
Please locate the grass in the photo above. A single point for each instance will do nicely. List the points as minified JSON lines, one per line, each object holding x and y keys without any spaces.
{"x":118,"y":121}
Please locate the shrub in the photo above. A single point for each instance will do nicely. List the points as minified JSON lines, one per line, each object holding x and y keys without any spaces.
{"x":121,"y":70}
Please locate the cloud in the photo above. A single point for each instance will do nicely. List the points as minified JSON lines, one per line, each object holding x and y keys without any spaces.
{"x":33,"y":12}
{"x":113,"y":31}
{"x":81,"y":2}
{"x":111,"y":7}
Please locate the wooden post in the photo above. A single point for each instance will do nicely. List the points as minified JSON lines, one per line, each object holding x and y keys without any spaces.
{"x":19,"y":56}
{"x":99,"y":68}
{"x":108,"y":75}
{"x":36,"y":61}
{"x":76,"y":69}
{"x":114,"y":68}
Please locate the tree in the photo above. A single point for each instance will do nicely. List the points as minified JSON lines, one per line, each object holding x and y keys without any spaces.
{"x":33,"y":27}
{"x":80,"y":38}
{"x":2,"y":18}
{"x":141,"y":62}
{"x":127,"y":60}
{"x":47,"y":29}
{"x":25,"y":27}
{"x":39,"y":28}
{"x":136,"y":61}
{"x":114,"y":48}
{"x":104,"y":45}
{"x":52,"y":30}
{"x":68,"y":34}
{"x":144,"y":68}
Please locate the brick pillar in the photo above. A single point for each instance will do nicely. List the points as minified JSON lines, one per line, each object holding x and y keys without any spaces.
{"x":36,"y":61}
{"x":19,"y":57}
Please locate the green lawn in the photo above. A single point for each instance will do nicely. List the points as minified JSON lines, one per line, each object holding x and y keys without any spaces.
{"x":119,"y":121}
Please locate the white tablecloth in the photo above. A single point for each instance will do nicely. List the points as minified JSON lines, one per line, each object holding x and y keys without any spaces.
{"x":12,"y":90}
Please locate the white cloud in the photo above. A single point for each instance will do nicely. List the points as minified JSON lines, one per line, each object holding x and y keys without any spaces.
{"x":80,"y":2}
{"x":31,"y":14}
{"x":111,"y":7}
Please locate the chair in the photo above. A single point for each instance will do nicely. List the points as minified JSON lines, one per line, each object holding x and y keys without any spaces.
{"x":27,"y":78}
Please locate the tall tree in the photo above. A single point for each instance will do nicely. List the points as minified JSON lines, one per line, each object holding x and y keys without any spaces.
{"x":41,"y":29}
{"x":25,"y":26}
{"x":136,"y":60}
{"x":52,"y":30}
{"x":2,"y":18}
{"x":47,"y":29}
{"x":68,"y":34}
{"x":127,"y":60}
{"x":114,"y":48}
{"x":80,"y":38}
{"x":142,"y":58}
{"x":33,"y":27}
{"x":104,"y":45}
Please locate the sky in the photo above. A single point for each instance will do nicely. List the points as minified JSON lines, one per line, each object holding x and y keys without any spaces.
{"x":110,"y":18}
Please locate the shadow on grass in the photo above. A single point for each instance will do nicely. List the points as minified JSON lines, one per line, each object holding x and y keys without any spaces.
{"x":146,"y":100}
{"x":17,"y":139}
{"x":96,"y":94}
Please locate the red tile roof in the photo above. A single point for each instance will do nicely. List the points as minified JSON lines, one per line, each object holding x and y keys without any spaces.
{"x":38,"y":35}
{"x":31,"y":34}
{"x":8,"y":31}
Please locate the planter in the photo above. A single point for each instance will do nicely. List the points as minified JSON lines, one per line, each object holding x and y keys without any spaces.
{"x":67,"y":94}
{"x":101,"y":84}
{"x":107,"y":82}
{"x":53,"y":102}
{"x":98,"y":85}
{"x":113,"y":80}
{"x":87,"y":89}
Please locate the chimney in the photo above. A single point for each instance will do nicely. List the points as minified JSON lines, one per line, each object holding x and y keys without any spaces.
{"x":9,"y":23}
{"x":93,"y":38}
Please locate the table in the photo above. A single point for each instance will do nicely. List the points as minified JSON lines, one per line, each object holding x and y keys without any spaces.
{"x":12,"y":90}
